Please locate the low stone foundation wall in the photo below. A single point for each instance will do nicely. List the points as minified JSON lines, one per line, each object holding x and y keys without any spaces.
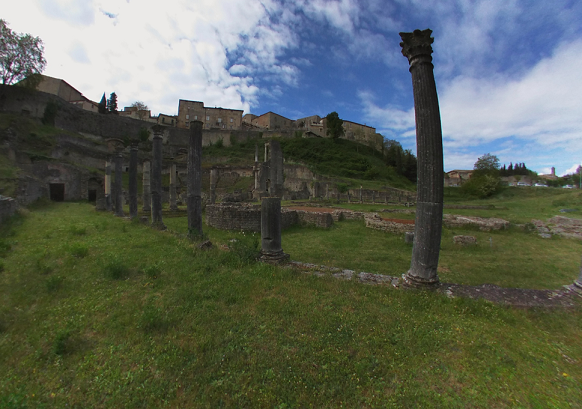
{"x":484,"y":224}
{"x":316,"y":219}
{"x":374,"y":221}
{"x":234,"y":217}
{"x":339,"y":215}
{"x":7,"y":208}
{"x":247,"y":217}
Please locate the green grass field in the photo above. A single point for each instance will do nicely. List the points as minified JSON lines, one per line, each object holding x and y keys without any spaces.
{"x":97,"y":311}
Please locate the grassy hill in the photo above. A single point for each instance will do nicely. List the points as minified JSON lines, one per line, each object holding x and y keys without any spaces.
{"x":97,"y":311}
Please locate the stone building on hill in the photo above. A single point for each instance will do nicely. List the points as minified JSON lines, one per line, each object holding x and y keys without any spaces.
{"x":273,"y":121}
{"x":64,"y":90}
{"x":212,"y":118}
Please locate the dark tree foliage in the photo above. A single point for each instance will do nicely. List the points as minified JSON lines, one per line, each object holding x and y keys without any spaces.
{"x":20,"y":55}
{"x":103,"y":105}
{"x":514,"y":170}
{"x":335,"y":127}
{"x":402,"y":160}
{"x":112,"y":103}
{"x":485,"y":180}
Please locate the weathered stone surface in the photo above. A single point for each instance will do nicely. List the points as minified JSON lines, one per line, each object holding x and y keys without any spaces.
{"x":194,"y":200}
{"x":118,"y":189}
{"x":205,"y":245}
{"x":146,"y":178}
{"x":484,"y":224}
{"x":133,"y":181}
{"x":271,"y":251}
{"x":409,"y":237}
{"x":416,"y":47}
{"x":565,"y":227}
{"x":173,"y":196}
{"x":464,"y":240}
{"x":108,"y":198}
{"x":374,"y":221}
{"x":156,"y":178}
{"x":339,"y":215}
{"x":8,"y":207}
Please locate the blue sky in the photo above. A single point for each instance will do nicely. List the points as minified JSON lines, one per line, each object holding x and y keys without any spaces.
{"x":507,"y":72}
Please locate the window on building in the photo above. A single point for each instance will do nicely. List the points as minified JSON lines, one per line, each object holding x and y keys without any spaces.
{"x":230,"y":120}
{"x":207,"y":118}
{"x":163,"y":120}
{"x":219,"y":120}
{"x":187,"y":116}
{"x":195,"y":117}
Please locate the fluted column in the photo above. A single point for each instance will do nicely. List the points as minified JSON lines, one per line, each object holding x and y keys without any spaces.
{"x":108,"y":199}
{"x":271,"y":251}
{"x":194,"y":199}
{"x":118,"y":186}
{"x":173,"y":205}
{"x":156,"y":178}
{"x":147,"y":196}
{"x":133,"y":181}
{"x":417,"y":48}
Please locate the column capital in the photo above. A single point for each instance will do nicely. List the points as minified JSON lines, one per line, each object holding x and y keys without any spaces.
{"x":158,"y":130}
{"x":416,"y":46}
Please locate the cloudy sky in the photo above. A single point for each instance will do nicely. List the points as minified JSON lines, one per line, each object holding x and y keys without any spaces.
{"x":508,"y":72}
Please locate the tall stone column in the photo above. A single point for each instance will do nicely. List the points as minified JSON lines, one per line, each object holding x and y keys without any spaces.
{"x":133,"y":181}
{"x":156,"y":178}
{"x":173,"y":205}
{"x":417,"y":48}
{"x":213,"y":182}
{"x":271,"y":251}
{"x":194,"y":199}
{"x":147,"y":196}
{"x":118,"y":186}
{"x":256,"y":168}
{"x":108,"y":199}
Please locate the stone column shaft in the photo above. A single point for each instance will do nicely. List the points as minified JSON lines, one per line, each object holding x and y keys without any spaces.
{"x":118,"y":187}
{"x":271,"y":250}
{"x":417,"y":48}
{"x":133,"y":181}
{"x":173,"y":204}
{"x":108,"y":199}
{"x":156,"y":178}
{"x":147,"y":198}
{"x":194,"y":199}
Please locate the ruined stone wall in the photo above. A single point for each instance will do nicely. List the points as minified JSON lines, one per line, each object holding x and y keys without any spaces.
{"x":245,"y":217}
{"x":234,"y":217}
{"x":7,"y":208}
{"x":374,"y":221}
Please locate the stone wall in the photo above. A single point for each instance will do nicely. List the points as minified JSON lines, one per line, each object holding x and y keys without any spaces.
{"x":247,"y":217}
{"x":374,"y":221}
{"x":7,"y":208}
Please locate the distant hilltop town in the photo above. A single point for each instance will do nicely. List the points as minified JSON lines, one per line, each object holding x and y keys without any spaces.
{"x":219,"y":118}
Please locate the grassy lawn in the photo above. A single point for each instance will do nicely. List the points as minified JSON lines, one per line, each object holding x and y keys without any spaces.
{"x":97,"y":311}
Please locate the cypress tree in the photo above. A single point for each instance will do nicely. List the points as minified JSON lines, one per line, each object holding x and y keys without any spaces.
{"x":103,"y":105}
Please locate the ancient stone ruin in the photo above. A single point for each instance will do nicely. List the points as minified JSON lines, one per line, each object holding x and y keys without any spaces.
{"x":194,"y":200}
{"x":271,"y":251}
{"x":416,"y":47}
{"x":156,"y":178}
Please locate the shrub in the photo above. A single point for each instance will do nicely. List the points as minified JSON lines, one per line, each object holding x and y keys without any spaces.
{"x":54,"y":283}
{"x":50,"y":113}
{"x":61,"y":344}
{"x":115,"y":269}
{"x":246,"y":249}
{"x":78,"y":230}
{"x":79,"y":250}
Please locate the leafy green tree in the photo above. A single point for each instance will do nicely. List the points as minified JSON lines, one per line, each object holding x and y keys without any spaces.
{"x":487,"y":163}
{"x":112,"y":103}
{"x":334,"y":124}
{"x":141,"y":109}
{"x":21,"y":55}
{"x":485,"y":180}
{"x":103,"y":105}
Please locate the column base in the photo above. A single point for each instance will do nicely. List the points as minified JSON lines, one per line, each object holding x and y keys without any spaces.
{"x":411,"y":281}
{"x":274,"y":258}
{"x":159,"y":226}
